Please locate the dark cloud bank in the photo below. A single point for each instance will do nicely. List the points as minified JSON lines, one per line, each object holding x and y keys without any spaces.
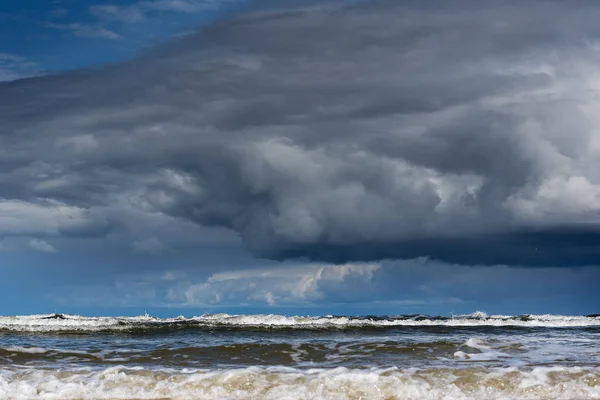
{"x":462,"y":131}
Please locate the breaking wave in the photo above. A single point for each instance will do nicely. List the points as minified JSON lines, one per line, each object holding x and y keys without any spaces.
{"x":79,"y":324}
{"x":286,"y":383}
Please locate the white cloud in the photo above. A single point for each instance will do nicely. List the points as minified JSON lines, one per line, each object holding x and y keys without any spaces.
{"x":300,"y":284}
{"x":41,"y":245}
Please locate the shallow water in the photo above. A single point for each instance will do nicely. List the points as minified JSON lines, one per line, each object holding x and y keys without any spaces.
{"x":276,"y":357}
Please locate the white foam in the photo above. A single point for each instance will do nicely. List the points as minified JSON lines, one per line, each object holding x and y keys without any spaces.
{"x":29,"y":350}
{"x":287,"y":383}
{"x":476,"y":343}
{"x":41,"y":323}
{"x":486,"y":352}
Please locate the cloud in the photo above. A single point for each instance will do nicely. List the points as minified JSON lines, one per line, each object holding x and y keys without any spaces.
{"x":138,"y":12}
{"x":86,"y":31}
{"x":362,"y":132}
{"x":126,"y":14}
{"x":13,"y":67}
{"x":275,"y":285}
{"x":148,"y":246}
{"x":41,"y":245}
{"x":386,"y":287}
{"x":48,"y":218}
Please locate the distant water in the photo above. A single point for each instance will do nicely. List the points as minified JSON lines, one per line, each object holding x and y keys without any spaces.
{"x":224,"y":356}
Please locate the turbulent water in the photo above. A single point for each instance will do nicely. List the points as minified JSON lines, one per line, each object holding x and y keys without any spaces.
{"x":224,"y":356}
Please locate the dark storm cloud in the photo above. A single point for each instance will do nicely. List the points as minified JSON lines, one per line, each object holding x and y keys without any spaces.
{"x":562,"y":246}
{"x":462,"y":131}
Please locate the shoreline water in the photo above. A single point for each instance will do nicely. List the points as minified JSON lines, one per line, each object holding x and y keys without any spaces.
{"x":223,"y":356}
{"x":279,"y":383}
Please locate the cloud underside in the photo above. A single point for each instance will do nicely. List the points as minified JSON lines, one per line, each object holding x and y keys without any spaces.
{"x":466,"y":133}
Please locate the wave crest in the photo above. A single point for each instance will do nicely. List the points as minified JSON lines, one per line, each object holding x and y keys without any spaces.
{"x":79,"y":324}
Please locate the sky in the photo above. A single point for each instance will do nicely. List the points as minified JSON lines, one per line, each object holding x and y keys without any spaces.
{"x":179,"y":157}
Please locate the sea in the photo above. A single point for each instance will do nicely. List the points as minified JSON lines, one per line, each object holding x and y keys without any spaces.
{"x":222,"y":356}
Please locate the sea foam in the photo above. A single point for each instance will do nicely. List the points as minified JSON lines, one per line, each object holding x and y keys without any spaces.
{"x":288,"y":383}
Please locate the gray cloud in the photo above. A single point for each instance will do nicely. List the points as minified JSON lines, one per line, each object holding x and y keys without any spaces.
{"x":149,"y":246}
{"x":463,"y":132}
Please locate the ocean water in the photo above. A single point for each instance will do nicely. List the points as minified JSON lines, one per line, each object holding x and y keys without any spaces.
{"x":224,"y":356}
